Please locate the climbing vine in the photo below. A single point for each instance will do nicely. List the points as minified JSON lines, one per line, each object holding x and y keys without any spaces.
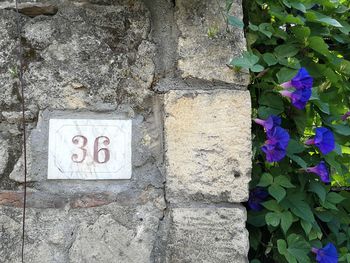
{"x":299,"y":60}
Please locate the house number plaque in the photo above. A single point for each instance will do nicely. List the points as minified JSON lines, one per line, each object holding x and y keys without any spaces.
{"x":89,"y":149}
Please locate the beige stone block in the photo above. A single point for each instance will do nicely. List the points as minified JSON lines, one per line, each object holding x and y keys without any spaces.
{"x":208,"y":145}
{"x":208,"y":235}
{"x":207,"y":43}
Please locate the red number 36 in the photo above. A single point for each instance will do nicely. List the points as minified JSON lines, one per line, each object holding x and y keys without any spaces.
{"x":81,"y":142}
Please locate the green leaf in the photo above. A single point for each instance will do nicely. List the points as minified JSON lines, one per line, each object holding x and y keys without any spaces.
{"x":277,"y":192}
{"x":264,"y":112}
{"x":285,"y":74}
{"x":283,"y":181}
{"x":228,"y":5}
{"x":282,"y":246}
{"x":330,"y":159}
{"x":318,"y":17}
{"x":254,"y":238}
{"x":256,"y":219}
{"x":346,"y":27}
{"x":272,"y":205}
{"x":246,"y":61}
{"x":266,"y":179}
{"x":253,"y":27}
{"x":319,"y":189}
{"x":286,"y":221}
{"x":234,"y":21}
{"x":266,"y":29}
{"x":295,"y":147}
{"x":270,"y":59}
{"x":286,"y":50}
{"x":334,"y":198}
{"x":325,"y":216}
{"x":318,"y":44}
{"x":272,"y":219}
{"x":257,"y":68}
{"x":298,"y":6}
{"x":302,"y":209}
{"x":297,"y":250}
{"x":298,"y":247}
{"x":341,"y":129}
{"x":272,"y":100}
{"x":306,"y":226}
{"x":324,"y":107}
{"x":301,"y":33}
{"x":298,"y":160}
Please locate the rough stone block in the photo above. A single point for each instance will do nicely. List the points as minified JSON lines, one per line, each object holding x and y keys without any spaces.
{"x":208,"y":145}
{"x":208,"y":235}
{"x":103,"y":49}
{"x":4,"y":156}
{"x":105,"y":234}
{"x":207,"y":43}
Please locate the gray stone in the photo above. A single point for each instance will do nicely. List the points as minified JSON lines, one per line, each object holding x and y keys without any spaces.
{"x":104,"y":234}
{"x":9,"y":96}
{"x":208,"y":235}
{"x":17,"y":117}
{"x":203,"y":56}
{"x":104,"y":48}
{"x":207,"y":141}
{"x":4,"y":155}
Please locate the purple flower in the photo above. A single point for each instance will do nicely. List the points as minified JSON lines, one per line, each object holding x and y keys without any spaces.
{"x":324,"y":140}
{"x":302,"y":80}
{"x":276,"y":144}
{"x":270,"y":122}
{"x":321,"y":170}
{"x":274,"y":152}
{"x":256,"y":197}
{"x":345,"y":116}
{"x":328,"y":254}
{"x":299,"y":97}
{"x":278,"y":135}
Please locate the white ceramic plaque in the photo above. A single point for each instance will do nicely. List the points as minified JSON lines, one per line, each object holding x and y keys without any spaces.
{"x":89,"y":149}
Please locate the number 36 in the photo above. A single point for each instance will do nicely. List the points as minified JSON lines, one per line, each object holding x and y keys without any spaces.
{"x":81,"y":142}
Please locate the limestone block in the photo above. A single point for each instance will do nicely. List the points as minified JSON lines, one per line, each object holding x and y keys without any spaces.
{"x":104,"y":234}
{"x":208,"y":235}
{"x":208,"y":145}
{"x":4,"y":155}
{"x":102,"y":48}
{"x":203,"y":56}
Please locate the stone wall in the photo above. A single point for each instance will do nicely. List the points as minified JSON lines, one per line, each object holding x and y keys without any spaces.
{"x":150,"y":61}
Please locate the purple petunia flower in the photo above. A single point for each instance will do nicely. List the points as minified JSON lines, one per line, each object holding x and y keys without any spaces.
{"x":321,"y":170}
{"x":299,"y":97}
{"x":302,"y":80}
{"x":256,"y":197}
{"x":270,"y":122}
{"x":276,"y":144}
{"x":324,"y":140}
{"x":328,"y":254}
{"x":345,"y":116}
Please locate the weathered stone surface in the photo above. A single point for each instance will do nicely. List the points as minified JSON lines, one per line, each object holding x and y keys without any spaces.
{"x":9,"y":95}
{"x":104,"y":48}
{"x":17,"y":117}
{"x":4,"y":155}
{"x":204,"y":57}
{"x":31,"y":9}
{"x":105,"y":234}
{"x":208,"y":235}
{"x":208,"y":147}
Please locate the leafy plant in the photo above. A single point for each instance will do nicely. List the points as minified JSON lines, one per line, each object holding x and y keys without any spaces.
{"x":298,"y":210}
